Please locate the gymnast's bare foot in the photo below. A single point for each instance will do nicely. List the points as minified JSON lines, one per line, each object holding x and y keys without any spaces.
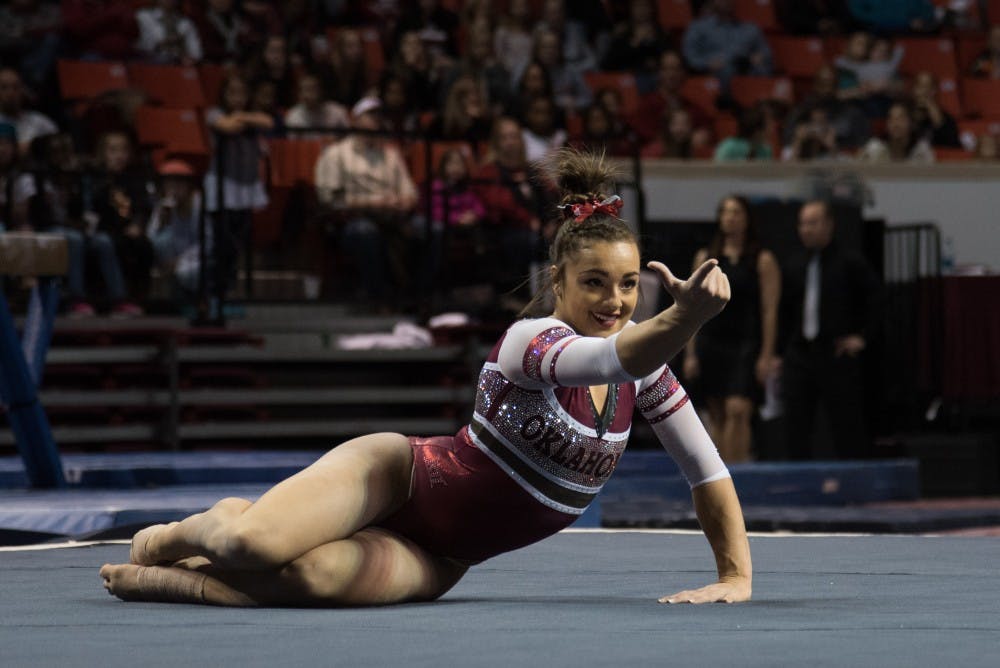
{"x":141,"y":552}
{"x":130,"y":582}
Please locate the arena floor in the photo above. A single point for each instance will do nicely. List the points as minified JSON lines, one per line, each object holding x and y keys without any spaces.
{"x":580,"y":598}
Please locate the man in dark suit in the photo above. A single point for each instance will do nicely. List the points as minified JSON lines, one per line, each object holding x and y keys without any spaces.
{"x":830,"y":308}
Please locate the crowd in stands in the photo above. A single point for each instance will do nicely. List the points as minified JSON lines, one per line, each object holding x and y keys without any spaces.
{"x":501,"y":82}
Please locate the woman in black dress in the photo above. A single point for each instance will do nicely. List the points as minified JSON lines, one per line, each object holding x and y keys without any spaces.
{"x":734,"y":352}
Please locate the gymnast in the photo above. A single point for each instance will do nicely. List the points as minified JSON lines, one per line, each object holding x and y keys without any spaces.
{"x":386,"y":518}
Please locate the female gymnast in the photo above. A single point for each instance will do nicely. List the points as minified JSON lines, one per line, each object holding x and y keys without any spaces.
{"x":386,"y":519}
{"x":733,"y":355}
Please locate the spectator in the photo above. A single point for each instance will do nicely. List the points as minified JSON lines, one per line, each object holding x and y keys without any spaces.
{"x":103,"y":29}
{"x":174,"y":227}
{"x":677,"y":140}
{"x":345,"y":74}
{"x":28,"y":124}
{"x":166,"y":35}
{"x":717,"y":43}
{"x":830,"y":306}
{"x":235,"y":134}
{"x":299,"y":20}
{"x":225,"y":33}
{"x":809,"y":17}
{"x":931,"y":120}
{"x":535,"y":82}
{"x":851,"y":126}
{"x":751,"y":140}
{"x":435,"y":25}
{"x":902,"y":143}
{"x":58,"y":206}
{"x":814,"y":138}
{"x":666,"y":96}
{"x":894,"y":16}
{"x":540,"y":134}
{"x":29,"y":36}
{"x":16,"y":187}
{"x":638,"y":42}
{"x":312,"y":111}
{"x":987,"y":63}
{"x":602,"y":132}
{"x":122,"y":201}
{"x":868,"y":72}
{"x":574,"y":43}
{"x":465,"y":116}
{"x":398,"y":115}
{"x":413,"y":65}
{"x":264,"y":100}
{"x":480,"y":62}
{"x":512,"y":40}
{"x":734,"y":353}
{"x":272,"y":64}
{"x":366,"y":178}
{"x":516,"y":200}
{"x":570,"y":90}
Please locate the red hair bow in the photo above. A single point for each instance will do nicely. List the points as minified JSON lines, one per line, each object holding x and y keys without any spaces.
{"x":581,"y":211}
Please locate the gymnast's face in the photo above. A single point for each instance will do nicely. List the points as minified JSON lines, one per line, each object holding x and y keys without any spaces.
{"x":598,"y":288}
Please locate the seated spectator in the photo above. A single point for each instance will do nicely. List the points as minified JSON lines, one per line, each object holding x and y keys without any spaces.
{"x":226,"y":34}
{"x":16,"y":186}
{"x":398,"y":115}
{"x":851,"y":126}
{"x":677,"y":141}
{"x":987,"y":63}
{"x":930,"y":119}
{"x":29,"y":124}
{"x":813,"y":138}
{"x":29,"y":36}
{"x":345,"y":73}
{"x":166,"y":35}
{"x":122,"y":201}
{"x":236,"y":129}
{"x":436,"y":26}
{"x":272,"y":64}
{"x":365,"y":178}
{"x":718,"y":43}
{"x":57,"y":206}
{"x":902,"y":142}
{"x":512,"y":39}
{"x":894,"y":16}
{"x":751,"y":140}
{"x":666,"y":96}
{"x":541,"y":135}
{"x":810,"y":17}
{"x":414,"y":65}
{"x":264,"y":100}
{"x":570,"y":89}
{"x":465,"y":116}
{"x":312,"y":111}
{"x":602,"y":132}
{"x":517,"y":201}
{"x":535,"y":82}
{"x":480,"y":62}
{"x":868,"y":72}
{"x":174,"y":227}
{"x":637,"y":43}
{"x":103,"y":29}
{"x":575,"y":51}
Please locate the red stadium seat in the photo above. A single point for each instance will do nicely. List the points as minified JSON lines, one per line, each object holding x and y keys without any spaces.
{"x":80,"y":80}
{"x":702,"y":93}
{"x":674,"y":14}
{"x":172,"y":86}
{"x":748,"y":90}
{"x":981,"y":97}
{"x":969,"y":48}
{"x":993,"y":11}
{"x":952,"y":154}
{"x":798,"y":57}
{"x":760,"y":12}
{"x":623,"y":82}
{"x":293,"y":161}
{"x":935,"y":55}
{"x":212,"y":76}
{"x":948,"y":97}
{"x":174,"y":132}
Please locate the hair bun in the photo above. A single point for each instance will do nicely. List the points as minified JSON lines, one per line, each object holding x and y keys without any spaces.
{"x":581,"y":174}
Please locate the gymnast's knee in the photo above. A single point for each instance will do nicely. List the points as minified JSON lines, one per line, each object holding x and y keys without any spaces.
{"x":246,"y":546}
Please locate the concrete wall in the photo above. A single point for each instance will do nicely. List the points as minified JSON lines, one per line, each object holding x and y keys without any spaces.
{"x":962,"y":199}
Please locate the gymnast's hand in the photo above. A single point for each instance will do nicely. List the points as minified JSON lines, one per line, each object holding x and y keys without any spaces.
{"x":703,"y":295}
{"x":732,"y":590}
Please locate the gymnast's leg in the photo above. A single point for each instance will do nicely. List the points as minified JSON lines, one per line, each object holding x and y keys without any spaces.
{"x":373,"y":567}
{"x":350,"y":487}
